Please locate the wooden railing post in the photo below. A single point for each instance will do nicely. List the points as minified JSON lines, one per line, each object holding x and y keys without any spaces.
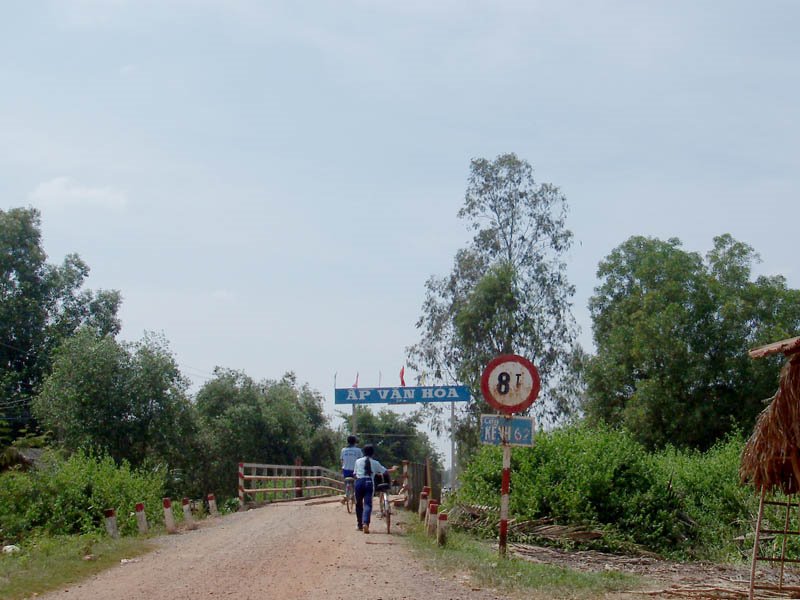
{"x":428,"y":473}
{"x":407,"y":486}
{"x":298,"y":481}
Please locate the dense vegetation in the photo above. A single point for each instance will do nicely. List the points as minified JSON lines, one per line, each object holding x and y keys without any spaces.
{"x":672,"y":332}
{"x":682,"y":503}
{"x":68,"y":495}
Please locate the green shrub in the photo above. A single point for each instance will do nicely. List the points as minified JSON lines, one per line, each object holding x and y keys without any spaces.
{"x":69,"y":496}
{"x":18,"y":499}
{"x":673,"y":502}
{"x":708,"y":484}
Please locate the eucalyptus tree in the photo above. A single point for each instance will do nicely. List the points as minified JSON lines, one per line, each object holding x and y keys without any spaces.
{"x":508,"y":291}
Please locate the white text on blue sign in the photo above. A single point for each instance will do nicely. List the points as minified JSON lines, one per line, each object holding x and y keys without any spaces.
{"x":514,"y":431}
{"x":402,"y":395}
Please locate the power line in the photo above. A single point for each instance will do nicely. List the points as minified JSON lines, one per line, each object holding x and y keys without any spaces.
{"x":380,"y":434}
{"x":11,"y":403}
{"x":20,"y":350}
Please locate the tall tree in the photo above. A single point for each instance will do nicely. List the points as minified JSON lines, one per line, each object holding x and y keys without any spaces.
{"x":127,"y":400}
{"x":672,"y":332}
{"x":507,"y":292}
{"x":40,"y":306}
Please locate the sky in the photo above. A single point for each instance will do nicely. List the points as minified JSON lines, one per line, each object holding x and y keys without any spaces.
{"x":270,"y":184}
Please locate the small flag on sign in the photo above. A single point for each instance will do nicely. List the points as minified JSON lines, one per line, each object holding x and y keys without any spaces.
{"x":403,"y":376}
{"x":355,"y":384}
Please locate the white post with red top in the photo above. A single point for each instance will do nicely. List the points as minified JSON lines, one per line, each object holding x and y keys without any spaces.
{"x":169,"y":519}
{"x":187,"y":514}
{"x":441,"y":529}
{"x":432,"y":522}
{"x":141,"y":518}
{"x":212,"y":506}
{"x":111,"y":522}
{"x":423,"y":505}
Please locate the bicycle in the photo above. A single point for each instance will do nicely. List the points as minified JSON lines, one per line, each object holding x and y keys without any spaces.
{"x":385,"y":503}
{"x":349,"y":493}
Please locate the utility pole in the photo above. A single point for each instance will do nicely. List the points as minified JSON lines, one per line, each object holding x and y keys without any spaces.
{"x":452,"y":445}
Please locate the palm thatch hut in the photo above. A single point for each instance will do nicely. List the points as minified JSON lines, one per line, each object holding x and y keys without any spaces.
{"x":771,"y":457}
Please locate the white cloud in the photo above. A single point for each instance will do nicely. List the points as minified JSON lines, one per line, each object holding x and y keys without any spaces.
{"x":63,"y":191}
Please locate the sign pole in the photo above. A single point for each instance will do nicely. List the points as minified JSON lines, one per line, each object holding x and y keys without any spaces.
{"x":510,"y":383}
{"x":505,"y":488}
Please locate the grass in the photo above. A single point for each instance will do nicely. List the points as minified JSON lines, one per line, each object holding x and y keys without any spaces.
{"x":46,"y":563}
{"x":464,"y":554}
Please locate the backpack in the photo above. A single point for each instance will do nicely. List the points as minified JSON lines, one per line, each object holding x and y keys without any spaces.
{"x":383,"y":481}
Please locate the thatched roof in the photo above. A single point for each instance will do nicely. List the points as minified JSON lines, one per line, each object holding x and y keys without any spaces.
{"x":788,"y":347}
{"x":771,"y":457}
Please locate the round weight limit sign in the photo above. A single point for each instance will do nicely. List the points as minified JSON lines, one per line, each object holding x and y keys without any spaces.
{"x":510,"y":383}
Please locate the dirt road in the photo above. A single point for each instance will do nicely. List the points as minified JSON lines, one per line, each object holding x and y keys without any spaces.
{"x":287,"y":551}
{"x":312,"y":550}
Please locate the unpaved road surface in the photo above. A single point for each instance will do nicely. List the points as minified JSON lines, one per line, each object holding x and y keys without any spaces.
{"x":300,"y":550}
{"x":312,"y":550}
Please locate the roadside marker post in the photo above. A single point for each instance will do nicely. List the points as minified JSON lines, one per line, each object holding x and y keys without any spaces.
{"x":423,"y":505}
{"x":169,"y":519}
{"x":441,"y":529}
{"x":141,"y":518}
{"x":111,"y":522}
{"x":212,"y":505}
{"x":187,"y":514}
{"x":433,"y":519}
{"x":509,"y":383}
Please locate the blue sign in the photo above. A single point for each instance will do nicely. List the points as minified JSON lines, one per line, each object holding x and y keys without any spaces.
{"x":515,"y":431}
{"x":402,"y":395}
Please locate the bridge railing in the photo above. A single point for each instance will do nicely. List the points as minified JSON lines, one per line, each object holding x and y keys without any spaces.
{"x":261,"y":483}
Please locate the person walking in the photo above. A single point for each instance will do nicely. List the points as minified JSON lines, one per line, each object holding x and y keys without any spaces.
{"x":366,"y":469}
{"x":349,"y":455}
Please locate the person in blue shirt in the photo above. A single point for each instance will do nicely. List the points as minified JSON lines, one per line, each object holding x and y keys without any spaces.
{"x":349,"y":455}
{"x":366,"y":468}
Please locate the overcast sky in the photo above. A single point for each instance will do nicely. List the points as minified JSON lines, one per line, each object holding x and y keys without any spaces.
{"x":270,"y":184}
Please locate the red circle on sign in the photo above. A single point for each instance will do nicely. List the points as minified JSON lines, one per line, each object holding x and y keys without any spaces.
{"x":517,"y":390}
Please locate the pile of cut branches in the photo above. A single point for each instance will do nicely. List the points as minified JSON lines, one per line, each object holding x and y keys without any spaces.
{"x":484,"y":522}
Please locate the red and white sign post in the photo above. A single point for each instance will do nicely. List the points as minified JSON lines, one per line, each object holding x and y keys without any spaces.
{"x":510,"y":383}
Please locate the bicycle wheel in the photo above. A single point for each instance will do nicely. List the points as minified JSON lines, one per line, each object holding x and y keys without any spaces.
{"x":348,"y":499}
{"x":387,"y":509}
